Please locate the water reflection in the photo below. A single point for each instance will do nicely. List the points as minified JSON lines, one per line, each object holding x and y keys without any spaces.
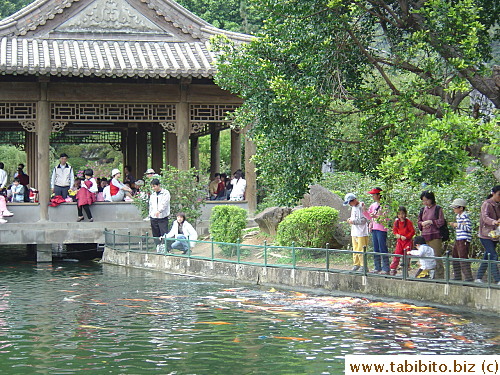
{"x":65,"y":318}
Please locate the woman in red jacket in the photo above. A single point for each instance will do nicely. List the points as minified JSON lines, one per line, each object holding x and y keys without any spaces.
{"x":403,"y":231}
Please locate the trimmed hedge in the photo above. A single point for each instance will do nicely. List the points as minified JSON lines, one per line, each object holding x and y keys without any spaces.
{"x":308,"y":227}
{"x":226,"y":225}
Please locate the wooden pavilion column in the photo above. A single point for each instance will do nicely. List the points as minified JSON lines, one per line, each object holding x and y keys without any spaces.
{"x":31,"y":158}
{"x":156,"y":149}
{"x":195,"y":153}
{"x":171,"y":151}
{"x":250,"y":175}
{"x":43,"y":129}
{"x":183,"y":128}
{"x":235,"y":151}
{"x":214,"y":150}
{"x":131,"y":147}
{"x":142,"y":152}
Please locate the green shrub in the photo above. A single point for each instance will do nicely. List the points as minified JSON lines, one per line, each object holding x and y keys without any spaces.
{"x":226,"y":225}
{"x":307,"y":227}
{"x":186,"y":195}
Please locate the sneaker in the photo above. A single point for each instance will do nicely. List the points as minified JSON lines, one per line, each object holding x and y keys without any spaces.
{"x":478,"y":281}
{"x":376,"y":272}
{"x":7,"y":213}
{"x":146,"y":219}
{"x":2,"y":221}
{"x":91,"y":220}
{"x":393,"y":272}
{"x":385,"y":273}
{"x":355,"y":268}
{"x":362,"y":269}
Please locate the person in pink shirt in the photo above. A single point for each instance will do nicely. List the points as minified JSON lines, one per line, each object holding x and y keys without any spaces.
{"x":376,"y":214}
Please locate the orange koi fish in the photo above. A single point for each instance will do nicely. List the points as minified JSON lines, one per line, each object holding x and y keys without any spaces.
{"x":213,"y":323}
{"x":134,"y":299}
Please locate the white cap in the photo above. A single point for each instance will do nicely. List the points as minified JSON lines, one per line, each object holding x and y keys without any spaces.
{"x":114,"y":172}
{"x":348,"y":198}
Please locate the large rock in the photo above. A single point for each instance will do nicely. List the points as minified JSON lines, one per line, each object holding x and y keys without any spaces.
{"x":269,"y":219}
{"x":320,"y":196}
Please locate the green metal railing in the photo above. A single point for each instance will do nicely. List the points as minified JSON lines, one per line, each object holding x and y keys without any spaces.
{"x":293,"y":257}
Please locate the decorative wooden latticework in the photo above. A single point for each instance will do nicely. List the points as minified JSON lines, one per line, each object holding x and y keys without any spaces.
{"x":116,"y":112}
{"x":76,"y":137}
{"x":17,"y":111}
{"x":202,"y":113}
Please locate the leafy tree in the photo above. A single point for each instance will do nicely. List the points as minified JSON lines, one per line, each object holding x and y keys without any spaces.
{"x":231,"y":15}
{"x":353,"y":80}
{"x":186,"y":194}
{"x":12,"y":157}
{"x":9,"y":7}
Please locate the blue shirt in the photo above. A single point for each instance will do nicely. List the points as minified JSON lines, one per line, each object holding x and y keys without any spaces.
{"x":464,"y":228}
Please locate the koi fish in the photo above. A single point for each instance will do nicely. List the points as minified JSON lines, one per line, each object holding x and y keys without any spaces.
{"x":154,"y":313}
{"x":237,"y":339}
{"x":134,"y":299}
{"x":90,"y":327}
{"x":213,"y":323}
{"x":408,"y":345}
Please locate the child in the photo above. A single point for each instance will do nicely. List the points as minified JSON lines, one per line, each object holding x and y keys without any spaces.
{"x":86,"y":195}
{"x":17,"y":191}
{"x":359,"y":230}
{"x":426,"y":265}
{"x":403,"y":231}
{"x":463,"y":238}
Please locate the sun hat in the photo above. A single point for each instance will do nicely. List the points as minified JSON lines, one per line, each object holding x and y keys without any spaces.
{"x":459,"y":202}
{"x":150,"y":171}
{"x":114,"y":172}
{"x":375,"y":191}
{"x":139,"y":183}
{"x":348,"y":198}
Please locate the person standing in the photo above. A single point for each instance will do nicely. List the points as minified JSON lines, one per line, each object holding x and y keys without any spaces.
{"x":159,"y":211}
{"x":430,"y":219}
{"x":359,"y":230}
{"x":62,"y":177}
{"x":86,"y":195}
{"x":24,"y":180}
{"x":489,"y":223}
{"x":463,"y":238}
{"x":403,"y":231}
{"x":375,"y":214}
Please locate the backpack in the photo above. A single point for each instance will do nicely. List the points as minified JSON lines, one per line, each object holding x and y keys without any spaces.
{"x":444,"y":231}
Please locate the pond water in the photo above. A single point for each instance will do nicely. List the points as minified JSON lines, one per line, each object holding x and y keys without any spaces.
{"x":71,"y":317}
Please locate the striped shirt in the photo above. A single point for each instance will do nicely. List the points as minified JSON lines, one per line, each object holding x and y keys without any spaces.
{"x":464,"y":228}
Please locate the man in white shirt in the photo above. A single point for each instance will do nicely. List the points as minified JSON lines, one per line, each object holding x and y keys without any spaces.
{"x":159,"y":210}
{"x":63,"y":177}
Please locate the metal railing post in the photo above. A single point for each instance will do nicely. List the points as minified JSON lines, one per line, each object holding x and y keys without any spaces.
{"x":447,"y":268}
{"x":128,"y":233}
{"x":489,"y":270}
{"x":265,"y":253}
{"x":147,"y":242}
{"x":238,"y":252}
{"x":212,"y":248}
{"x":294,"y":260}
{"x":365,"y":261}
{"x":165,"y":244}
{"x":327,"y":257}
{"x":114,"y":239}
{"x":406,"y":262}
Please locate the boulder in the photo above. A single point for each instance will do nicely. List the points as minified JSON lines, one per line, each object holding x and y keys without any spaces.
{"x":320,"y":196}
{"x":269,"y":219}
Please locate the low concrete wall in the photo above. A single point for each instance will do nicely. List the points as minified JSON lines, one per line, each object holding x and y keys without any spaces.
{"x":67,"y":212}
{"x":482,"y":299}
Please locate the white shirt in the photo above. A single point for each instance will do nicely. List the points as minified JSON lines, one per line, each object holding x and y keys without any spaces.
{"x":159,"y":203}
{"x":425,"y":251}
{"x":106,"y":194}
{"x":359,"y":226}
{"x":187,"y":229}
{"x":3,"y":178}
{"x":239,"y":186}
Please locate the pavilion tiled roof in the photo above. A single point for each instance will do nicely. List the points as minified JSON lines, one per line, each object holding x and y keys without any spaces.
{"x":106,"y":58}
{"x":153,"y":39}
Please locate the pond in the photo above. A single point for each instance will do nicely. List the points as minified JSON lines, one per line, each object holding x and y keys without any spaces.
{"x":70,"y":317}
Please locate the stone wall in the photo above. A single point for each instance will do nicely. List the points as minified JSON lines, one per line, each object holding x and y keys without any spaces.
{"x":474,"y":298}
